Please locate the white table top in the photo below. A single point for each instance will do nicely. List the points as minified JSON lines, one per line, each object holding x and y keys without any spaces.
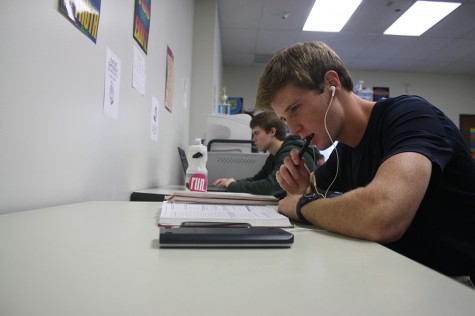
{"x":102,"y":258}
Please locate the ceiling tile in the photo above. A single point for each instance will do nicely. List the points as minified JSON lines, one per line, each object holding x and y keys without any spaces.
{"x":363,"y":63}
{"x":455,"y":24}
{"x":238,"y":59}
{"x":273,"y":12}
{"x":453,"y":51}
{"x":268,"y":42}
{"x":357,"y":42}
{"x":325,"y":37}
{"x":421,"y":48}
{"x":239,"y":14}
{"x":238,"y":40}
{"x":252,"y":28}
{"x":375,"y":16}
{"x":387,"y":46}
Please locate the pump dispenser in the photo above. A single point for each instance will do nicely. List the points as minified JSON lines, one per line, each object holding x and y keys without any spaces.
{"x":197,"y":174}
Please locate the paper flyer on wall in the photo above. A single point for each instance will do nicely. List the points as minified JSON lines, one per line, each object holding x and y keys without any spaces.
{"x":138,"y":71}
{"x":186,"y":82}
{"x":111,"y":85}
{"x":154,"y":120}
{"x":84,"y":14}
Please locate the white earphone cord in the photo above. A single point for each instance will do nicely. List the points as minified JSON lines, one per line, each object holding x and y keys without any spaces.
{"x":334,"y":148}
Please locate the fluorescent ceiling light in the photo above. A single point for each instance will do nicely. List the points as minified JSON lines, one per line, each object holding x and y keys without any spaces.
{"x":421,"y":17}
{"x":330,"y":15}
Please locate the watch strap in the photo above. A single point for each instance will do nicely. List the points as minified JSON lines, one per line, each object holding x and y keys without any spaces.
{"x":305,"y":199}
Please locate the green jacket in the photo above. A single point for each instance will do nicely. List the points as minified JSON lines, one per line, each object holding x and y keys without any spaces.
{"x":264,"y":182}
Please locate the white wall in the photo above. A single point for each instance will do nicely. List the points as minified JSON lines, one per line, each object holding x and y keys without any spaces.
{"x":242,"y":82}
{"x":57,"y":146}
{"x":452,"y":94}
{"x":207,"y":66}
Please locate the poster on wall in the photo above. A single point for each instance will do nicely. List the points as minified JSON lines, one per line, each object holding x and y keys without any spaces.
{"x":169,"y":81}
{"x":380,"y":93}
{"x":84,"y":14}
{"x":142,"y":23}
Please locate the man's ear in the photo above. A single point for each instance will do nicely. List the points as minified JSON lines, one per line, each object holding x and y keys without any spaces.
{"x":331,"y":78}
{"x":272,"y":131}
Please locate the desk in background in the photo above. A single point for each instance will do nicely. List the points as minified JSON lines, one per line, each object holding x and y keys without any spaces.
{"x":155,"y":194}
{"x":102,"y":258}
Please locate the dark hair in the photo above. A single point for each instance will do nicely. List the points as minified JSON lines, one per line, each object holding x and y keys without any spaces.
{"x":304,"y":65}
{"x":268,"y":120}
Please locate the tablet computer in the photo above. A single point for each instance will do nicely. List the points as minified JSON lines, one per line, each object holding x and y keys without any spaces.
{"x":225,"y":237}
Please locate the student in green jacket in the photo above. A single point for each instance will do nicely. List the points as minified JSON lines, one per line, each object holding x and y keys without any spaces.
{"x":269,"y":134}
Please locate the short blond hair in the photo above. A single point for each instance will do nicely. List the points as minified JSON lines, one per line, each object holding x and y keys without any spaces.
{"x":304,"y":65}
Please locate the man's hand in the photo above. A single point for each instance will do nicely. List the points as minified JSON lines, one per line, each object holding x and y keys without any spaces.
{"x":293,"y":175}
{"x":287,"y":206}
{"x":223,"y":182}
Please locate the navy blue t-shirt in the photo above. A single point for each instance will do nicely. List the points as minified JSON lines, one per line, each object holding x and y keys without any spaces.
{"x":442,"y":234}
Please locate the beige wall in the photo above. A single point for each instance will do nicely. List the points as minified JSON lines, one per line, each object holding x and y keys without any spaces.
{"x":57,"y":145}
{"x":452,"y":94}
{"x":207,"y":66}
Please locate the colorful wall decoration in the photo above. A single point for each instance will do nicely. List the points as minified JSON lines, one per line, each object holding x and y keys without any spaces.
{"x":84,"y":14}
{"x":142,"y":23}
{"x":169,"y":80}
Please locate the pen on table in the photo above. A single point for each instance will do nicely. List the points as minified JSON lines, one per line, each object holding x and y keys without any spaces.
{"x":305,"y":145}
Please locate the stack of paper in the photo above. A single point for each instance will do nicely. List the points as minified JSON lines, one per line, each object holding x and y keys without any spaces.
{"x":174,"y":214}
{"x":222,"y":198}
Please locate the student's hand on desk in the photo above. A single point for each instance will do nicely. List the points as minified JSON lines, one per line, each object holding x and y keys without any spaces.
{"x":293,"y":175}
{"x":224,"y":182}
{"x":288,"y":205}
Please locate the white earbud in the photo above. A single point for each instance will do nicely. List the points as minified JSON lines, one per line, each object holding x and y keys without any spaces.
{"x":332,"y":89}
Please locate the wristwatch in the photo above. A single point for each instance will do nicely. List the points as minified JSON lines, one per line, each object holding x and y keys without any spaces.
{"x":304,"y":199}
